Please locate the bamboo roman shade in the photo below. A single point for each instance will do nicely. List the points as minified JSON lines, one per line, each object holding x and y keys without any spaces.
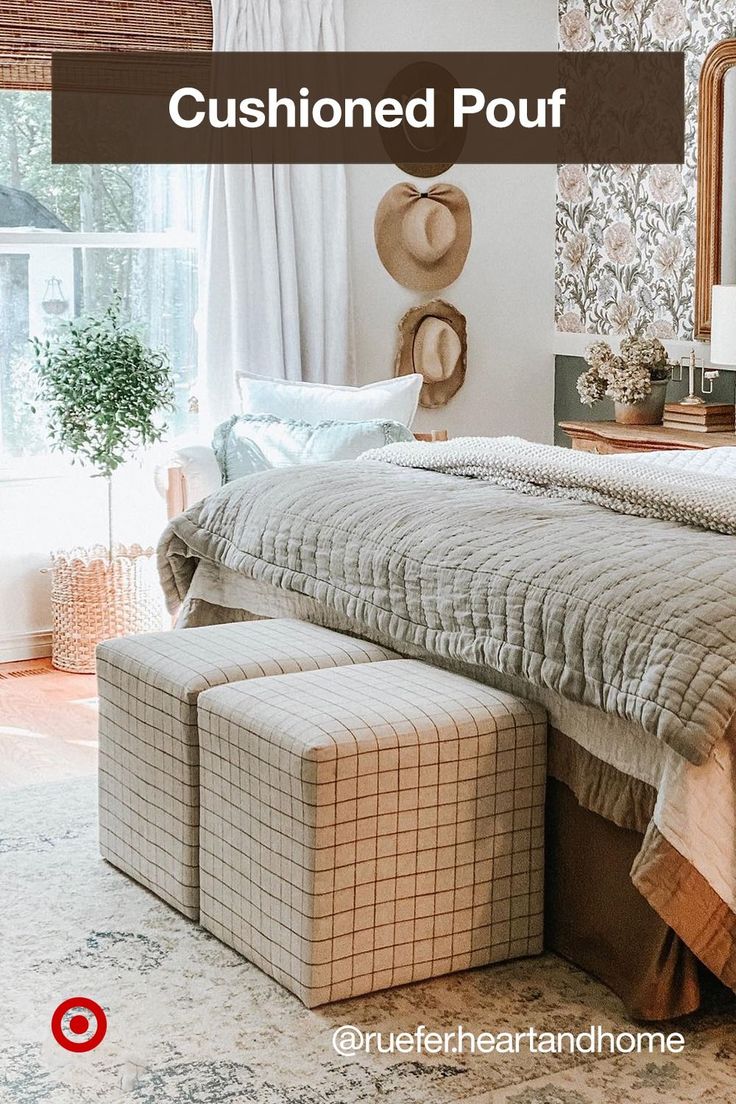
{"x":30,"y":30}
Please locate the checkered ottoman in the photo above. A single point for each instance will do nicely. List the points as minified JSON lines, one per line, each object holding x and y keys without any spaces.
{"x":370,"y":826}
{"x":149,"y":773}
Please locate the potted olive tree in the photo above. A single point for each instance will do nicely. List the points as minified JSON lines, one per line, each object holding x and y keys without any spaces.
{"x":103,"y":393}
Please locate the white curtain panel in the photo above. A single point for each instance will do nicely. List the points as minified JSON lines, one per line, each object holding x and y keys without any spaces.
{"x":274,"y":272}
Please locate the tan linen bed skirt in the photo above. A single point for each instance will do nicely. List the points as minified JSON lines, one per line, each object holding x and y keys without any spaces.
{"x":597,"y":919}
{"x":600,"y":879}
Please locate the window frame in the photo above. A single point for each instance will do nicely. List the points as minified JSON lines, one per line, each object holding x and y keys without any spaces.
{"x":18,"y":240}
{"x":22,"y":236}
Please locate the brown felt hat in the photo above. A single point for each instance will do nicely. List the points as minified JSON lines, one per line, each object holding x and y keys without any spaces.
{"x":423,"y":238}
{"x":433,"y":342}
{"x":431,"y":151}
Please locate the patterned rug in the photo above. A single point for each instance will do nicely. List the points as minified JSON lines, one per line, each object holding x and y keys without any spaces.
{"x":190,"y":1022}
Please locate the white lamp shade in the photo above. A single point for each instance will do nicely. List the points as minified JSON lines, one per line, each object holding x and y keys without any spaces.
{"x":723,"y":325}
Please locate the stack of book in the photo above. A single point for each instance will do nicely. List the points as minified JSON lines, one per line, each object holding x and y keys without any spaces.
{"x":705,"y":418}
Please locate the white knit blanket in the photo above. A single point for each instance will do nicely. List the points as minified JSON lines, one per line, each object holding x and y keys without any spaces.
{"x":626,"y":484}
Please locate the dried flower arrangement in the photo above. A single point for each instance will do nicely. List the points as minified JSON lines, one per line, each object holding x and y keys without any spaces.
{"x":626,"y":378}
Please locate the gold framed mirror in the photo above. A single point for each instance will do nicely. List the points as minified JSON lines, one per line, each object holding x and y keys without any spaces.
{"x":715,"y":261}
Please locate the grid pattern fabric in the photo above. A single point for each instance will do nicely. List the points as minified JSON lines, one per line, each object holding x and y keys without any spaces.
{"x":30,"y":30}
{"x":371,"y":826}
{"x":149,"y":755}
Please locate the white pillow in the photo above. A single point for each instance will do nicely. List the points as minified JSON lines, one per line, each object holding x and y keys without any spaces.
{"x":249,"y":443}
{"x":393,"y":400}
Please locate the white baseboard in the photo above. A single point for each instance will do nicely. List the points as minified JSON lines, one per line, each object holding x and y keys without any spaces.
{"x":15,"y":646}
{"x":577,"y":344}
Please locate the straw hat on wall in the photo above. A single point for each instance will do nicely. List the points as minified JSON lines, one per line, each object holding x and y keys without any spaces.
{"x":423,"y":238}
{"x":433,"y":342}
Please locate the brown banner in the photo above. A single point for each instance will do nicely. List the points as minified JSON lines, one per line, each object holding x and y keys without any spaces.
{"x":366,"y":108}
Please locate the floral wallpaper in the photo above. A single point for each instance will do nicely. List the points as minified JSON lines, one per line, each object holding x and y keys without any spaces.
{"x":626,"y":233}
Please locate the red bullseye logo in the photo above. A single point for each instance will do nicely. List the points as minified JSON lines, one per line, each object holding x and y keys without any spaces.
{"x":73,"y":1021}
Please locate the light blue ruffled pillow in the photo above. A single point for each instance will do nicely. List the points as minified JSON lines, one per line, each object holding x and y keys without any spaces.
{"x":249,"y":443}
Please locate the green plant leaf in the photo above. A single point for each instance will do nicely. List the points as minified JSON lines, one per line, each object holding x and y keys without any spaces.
{"x":103,"y":389}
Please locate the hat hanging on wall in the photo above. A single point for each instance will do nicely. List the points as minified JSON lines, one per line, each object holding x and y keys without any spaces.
{"x":433,"y":342}
{"x":423,"y":238}
{"x":425,"y":151}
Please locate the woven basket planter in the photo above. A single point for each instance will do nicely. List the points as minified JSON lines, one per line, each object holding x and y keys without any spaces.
{"x":94,"y":599}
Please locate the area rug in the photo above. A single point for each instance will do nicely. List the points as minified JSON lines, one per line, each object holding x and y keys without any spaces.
{"x":191,"y":1022}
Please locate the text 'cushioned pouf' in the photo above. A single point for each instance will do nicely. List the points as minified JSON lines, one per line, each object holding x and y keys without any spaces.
{"x":371,"y":826}
{"x":149,"y":754}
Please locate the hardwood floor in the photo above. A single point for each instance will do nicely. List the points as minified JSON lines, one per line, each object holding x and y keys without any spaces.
{"x":48,"y":724}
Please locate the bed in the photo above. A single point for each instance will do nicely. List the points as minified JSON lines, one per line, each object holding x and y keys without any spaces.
{"x":546,"y":576}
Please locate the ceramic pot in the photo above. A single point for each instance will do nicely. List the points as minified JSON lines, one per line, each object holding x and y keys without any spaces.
{"x":649,"y":411}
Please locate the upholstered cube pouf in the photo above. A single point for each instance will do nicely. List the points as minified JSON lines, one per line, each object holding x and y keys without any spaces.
{"x":370,"y":826}
{"x":149,"y":756}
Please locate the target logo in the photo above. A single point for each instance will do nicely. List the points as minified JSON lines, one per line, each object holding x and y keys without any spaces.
{"x":79,"y":1024}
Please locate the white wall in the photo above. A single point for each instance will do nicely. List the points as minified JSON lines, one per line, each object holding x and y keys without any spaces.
{"x":45,"y":514}
{"x":506,"y":290}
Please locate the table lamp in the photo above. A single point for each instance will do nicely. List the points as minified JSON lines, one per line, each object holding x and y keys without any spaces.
{"x":723,"y":326}
{"x":693,"y":412}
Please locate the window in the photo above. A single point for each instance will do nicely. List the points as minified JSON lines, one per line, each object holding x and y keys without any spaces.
{"x":73,"y":235}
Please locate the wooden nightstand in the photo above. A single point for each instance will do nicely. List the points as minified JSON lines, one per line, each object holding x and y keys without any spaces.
{"x":435,"y":435}
{"x":609,"y":437}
